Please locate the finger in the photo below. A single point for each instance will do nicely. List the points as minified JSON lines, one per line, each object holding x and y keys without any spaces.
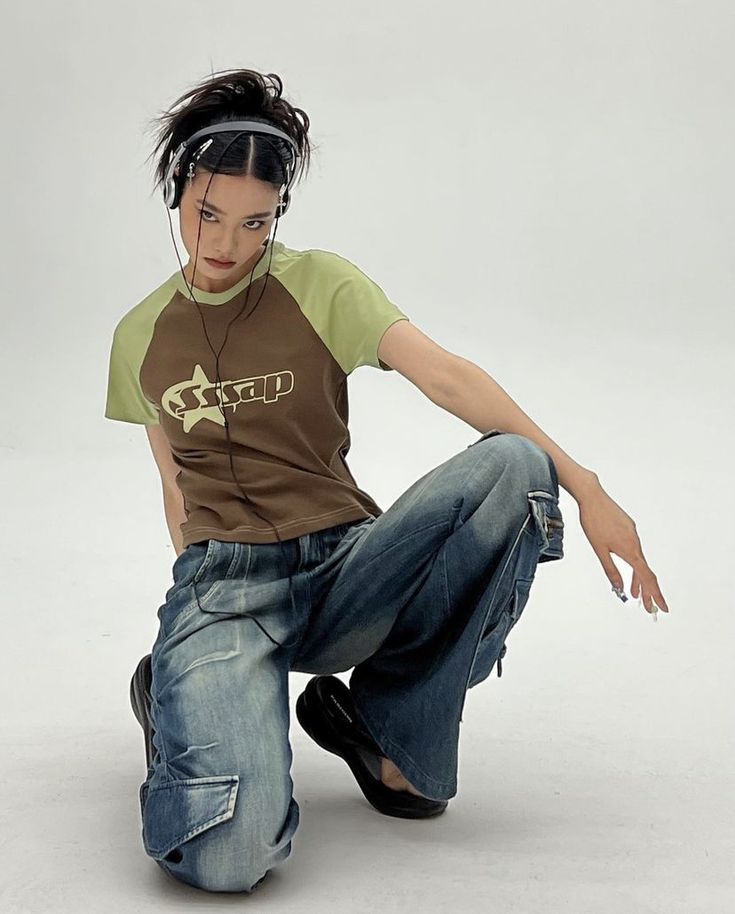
{"x":637,"y":589}
{"x":643,"y":574}
{"x":641,"y":584}
{"x":651,"y":612}
{"x":635,"y":586}
{"x":611,"y":570}
{"x":646,"y":597}
{"x":651,"y":590}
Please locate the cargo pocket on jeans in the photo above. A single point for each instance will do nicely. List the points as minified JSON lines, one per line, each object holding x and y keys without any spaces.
{"x":173,"y":812}
{"x":491,"y":646}
{"x":549,"y":524}
{"x":521,"y":593}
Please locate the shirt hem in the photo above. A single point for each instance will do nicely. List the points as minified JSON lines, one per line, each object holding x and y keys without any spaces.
{"x":285,"y":531}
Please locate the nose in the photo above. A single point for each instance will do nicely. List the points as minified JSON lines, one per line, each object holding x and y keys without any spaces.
{"x":225,"y":245}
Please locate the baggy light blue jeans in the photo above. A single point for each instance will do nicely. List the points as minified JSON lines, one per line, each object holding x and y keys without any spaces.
{"x":419,"y":600}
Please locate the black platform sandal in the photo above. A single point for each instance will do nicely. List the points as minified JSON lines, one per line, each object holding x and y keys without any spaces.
{"x":327,"y":713}
{"x":140,"y":699}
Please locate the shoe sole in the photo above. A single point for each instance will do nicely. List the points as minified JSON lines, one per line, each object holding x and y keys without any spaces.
{"x":356,"y":748}
{"x":140,"y":699}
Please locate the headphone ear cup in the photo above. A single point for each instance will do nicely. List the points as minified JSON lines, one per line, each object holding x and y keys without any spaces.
{"x":172,"y":190}
{"x":283,"y":205}
{"x":169,"y":190}
{"x":175,"y":193}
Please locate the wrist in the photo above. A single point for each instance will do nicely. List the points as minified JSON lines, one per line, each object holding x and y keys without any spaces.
{"x":588,"y":484}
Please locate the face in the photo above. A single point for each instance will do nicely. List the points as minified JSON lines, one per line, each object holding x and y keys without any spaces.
{"x":236,"y":218}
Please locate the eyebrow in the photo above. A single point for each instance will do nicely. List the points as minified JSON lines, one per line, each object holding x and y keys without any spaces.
{"x":216,"y":209}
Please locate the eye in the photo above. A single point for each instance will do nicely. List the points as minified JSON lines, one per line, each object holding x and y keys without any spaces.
{"x":258,"y":223}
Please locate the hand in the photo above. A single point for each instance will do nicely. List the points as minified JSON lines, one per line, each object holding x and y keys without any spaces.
{"x":610,"y":530}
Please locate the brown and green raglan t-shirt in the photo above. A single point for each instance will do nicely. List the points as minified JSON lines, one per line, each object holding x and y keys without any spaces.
{"x":283,"y":373}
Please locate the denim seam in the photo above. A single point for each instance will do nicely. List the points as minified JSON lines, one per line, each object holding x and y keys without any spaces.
{"x":511,"y":553}
{"x":205,"y":563}
{"x":392,"y":546}
{"x":216,"y":584}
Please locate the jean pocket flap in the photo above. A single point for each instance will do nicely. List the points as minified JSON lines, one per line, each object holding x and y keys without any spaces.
{"x":549,"y":524}
{"x":175,"y":811}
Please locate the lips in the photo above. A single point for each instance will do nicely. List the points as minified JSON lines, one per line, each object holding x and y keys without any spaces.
{"x":220,"y":263}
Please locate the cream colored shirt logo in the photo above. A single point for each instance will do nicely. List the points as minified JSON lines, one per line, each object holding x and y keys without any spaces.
{"x":268,"y":388}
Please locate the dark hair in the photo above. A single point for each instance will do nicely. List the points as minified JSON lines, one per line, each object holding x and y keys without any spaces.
{"x":228,"y":95}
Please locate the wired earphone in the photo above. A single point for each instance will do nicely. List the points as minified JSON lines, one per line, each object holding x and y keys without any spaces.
{"x":172,"y":192}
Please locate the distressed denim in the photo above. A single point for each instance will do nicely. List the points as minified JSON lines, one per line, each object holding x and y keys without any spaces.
{"x":417,"y":602}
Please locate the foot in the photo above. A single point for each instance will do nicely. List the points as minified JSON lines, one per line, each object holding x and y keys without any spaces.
{"x":392,"y":777}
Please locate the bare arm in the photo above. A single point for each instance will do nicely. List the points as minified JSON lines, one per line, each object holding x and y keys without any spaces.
{"x":173,"y":506}
{"x":484,"y":404}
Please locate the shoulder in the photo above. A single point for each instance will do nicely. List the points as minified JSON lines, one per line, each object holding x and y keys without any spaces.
{"x":338,"y":275}
{"x":331,"y":262}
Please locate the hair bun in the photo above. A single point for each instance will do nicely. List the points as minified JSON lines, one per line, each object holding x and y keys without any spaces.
{"x":231,"y":95}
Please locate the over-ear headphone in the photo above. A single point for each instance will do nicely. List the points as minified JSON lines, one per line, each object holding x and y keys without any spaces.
{"x":173,"y":183}
{"x":173,"y":187}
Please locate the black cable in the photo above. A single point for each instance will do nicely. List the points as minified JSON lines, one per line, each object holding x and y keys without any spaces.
{"x":218,"y":379}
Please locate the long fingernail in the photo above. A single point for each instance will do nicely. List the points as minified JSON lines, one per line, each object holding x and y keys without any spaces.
{"x":651,"y":612}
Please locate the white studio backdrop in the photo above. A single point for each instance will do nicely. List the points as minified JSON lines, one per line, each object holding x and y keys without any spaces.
{"x":545,"y":189}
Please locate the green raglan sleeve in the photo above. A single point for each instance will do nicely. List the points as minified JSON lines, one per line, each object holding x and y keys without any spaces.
{"x":359,"y":313}
{"x":125,"y":399}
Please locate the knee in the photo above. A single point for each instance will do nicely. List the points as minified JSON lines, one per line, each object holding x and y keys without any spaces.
{"x":213,"y":880}
{"x":216,"y":866}
{"x":199,"y":834}
{"x":540,"y":472}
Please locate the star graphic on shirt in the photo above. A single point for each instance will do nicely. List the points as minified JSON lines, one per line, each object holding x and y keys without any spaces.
{"x":267,"y":388}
